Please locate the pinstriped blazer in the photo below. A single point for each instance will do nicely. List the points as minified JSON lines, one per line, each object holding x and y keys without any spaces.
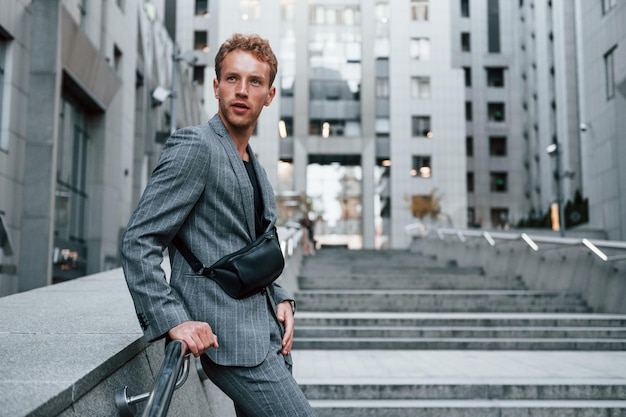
{"x":200,"y":190}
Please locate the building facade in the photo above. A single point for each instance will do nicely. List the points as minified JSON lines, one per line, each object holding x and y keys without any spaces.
{"x":79,"y":131}
{"x":601,"y":125}
{"x":361,"y":84}
{"x":456,"y":113}
{"x":374,"y":85}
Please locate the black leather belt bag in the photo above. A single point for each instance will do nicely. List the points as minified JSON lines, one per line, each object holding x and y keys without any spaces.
{"x":244,"y":272}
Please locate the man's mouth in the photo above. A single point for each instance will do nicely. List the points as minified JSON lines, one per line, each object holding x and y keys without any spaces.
{"x":240,"y":106}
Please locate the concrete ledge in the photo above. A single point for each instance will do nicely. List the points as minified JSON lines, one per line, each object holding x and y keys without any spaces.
{"x":66,"y":349}
{"x":566,"y":268}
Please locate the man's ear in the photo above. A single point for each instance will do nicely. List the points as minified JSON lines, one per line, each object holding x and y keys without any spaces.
{"x":270,"y":95}
{"x":216,"y":84}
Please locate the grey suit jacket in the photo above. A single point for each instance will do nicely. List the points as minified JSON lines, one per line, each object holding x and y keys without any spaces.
{"x":200,"y":190}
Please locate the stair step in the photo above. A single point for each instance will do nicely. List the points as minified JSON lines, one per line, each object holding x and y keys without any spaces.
{"x":394,"y":334}
{"x":444,"y":300}
{"x":441,"y":282}
{"x":468,"y":408}
{"x":459,"y":331}
{"x":383,"y":319}
{"x":594,"y":392}
{"x":459,"y":343}
{"x":382,"y":268}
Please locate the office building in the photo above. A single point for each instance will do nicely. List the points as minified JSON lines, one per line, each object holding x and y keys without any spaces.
{"x":80,"y":129}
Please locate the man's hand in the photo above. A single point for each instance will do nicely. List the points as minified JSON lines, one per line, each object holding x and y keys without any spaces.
{"x":197,"y":335}
{"x":284,"y":313}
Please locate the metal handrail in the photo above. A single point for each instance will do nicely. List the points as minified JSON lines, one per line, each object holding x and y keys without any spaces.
{"x":594,"y":246}
{"x":172,"y":375}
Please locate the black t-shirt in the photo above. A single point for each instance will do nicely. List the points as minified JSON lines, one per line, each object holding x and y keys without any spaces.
{"x":258,"y":201}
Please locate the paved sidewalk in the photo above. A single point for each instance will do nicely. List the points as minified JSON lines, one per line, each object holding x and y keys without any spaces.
{"x":452,"y":367}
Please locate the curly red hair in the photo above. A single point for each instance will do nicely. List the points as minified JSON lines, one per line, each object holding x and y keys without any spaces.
{"x":252,"y":43}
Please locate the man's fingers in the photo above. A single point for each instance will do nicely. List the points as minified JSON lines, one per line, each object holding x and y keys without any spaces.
{"x":198,"y":336}
{"x":284,"y":314}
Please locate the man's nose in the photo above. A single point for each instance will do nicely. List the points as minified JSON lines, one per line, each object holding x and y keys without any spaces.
{"x":242,"y":90}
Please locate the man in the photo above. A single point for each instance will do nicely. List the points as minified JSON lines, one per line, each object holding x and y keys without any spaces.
{"x":210,"y":190}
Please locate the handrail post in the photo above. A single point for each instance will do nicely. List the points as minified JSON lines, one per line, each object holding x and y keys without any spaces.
{"x":164,"y":385}
{"x":172,"y":375}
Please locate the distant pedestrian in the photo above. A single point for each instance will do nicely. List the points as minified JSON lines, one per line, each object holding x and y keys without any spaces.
{"x":308,"y":241}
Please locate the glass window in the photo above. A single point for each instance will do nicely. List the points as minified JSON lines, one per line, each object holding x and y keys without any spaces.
{"x":495,"y":112}
{"x":420,"y":49}
{"x":250,"y":9}
{"x":500,"y":218}
{"x":71,"y":181}
{"x":198,"y":74}
{"x":422,"y":166}
{"x":382,"y":87}
{"x":335,"y":71}
{"x":382,"y":12}
{"x":495,"y":77}
{"x":465,"y":42}
{"x":419,"y":10}
{"x":609,"y":72}
{"x":383,"y":127}
{"x":334,"y":15}
{"x":493,"y":26}
{"x":421,"y":126}
{"x":469,"y":146}
{"x":469,"y":111}
{"x":470,"y":182}
{"x":201,"y":40}
{"x":467,"y":72}
{"x":465,"y":10}
{"x":471,"y":217}
{"x":497,"y":146}
{"x":287,"y":10}
{"x":420,"y":87}
{"x":381,"y":48}
{"x":498,"y":183}
{"x":287,"y":60}
{"x":202,"y":7}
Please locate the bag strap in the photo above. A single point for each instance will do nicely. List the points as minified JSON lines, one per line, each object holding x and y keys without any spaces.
{"x":194,"y":263}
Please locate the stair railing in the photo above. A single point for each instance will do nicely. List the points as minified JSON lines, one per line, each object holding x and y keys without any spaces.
{"x":595,"y":246}
{"x":172,"y":375}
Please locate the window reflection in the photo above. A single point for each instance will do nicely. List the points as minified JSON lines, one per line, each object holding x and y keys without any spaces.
{"x":335,"y":68}
{"x":71,"y":192}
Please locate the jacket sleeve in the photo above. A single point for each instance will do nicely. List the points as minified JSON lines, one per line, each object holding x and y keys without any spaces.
{"x":175,"y":186}
{"x":281,"y":294}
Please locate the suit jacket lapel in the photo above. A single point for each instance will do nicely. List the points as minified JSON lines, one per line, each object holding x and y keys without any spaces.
{"x":247,"y":193}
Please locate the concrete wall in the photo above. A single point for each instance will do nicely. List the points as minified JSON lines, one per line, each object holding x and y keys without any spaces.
{"x":553,"y":267}
{"x":66,"y":349}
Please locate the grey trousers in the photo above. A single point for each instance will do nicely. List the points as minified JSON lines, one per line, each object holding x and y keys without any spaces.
{"x":266,"y":390}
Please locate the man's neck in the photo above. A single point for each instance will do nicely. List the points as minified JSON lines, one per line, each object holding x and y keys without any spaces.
{"x":241,"y":143}
{"x":241,"y":138}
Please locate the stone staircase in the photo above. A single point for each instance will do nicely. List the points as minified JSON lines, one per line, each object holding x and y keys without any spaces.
{"x":399,"y":302}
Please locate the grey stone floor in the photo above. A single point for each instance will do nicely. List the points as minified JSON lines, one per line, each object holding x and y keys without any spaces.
{"x":468,"y":367}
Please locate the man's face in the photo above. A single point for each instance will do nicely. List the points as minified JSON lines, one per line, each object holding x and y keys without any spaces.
{"x":243,"y":89}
